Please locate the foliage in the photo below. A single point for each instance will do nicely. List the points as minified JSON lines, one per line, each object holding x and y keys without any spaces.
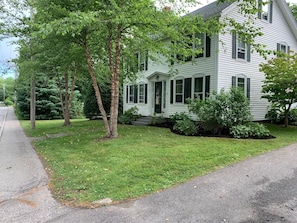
{"x":142,"y":161}
{"x":221,"y":110}
{"x":7,"y":86}
{"x":124,"y":28}
{"x":280,"y":84}
{"x":129,"y":116}
{"x":185,"y":126}
{"x":90,"y":102}
{"x":179,"y":116}
{"x":250,"y":130}
{"x":293,"y":116}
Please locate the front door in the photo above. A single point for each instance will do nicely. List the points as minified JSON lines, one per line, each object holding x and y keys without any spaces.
{"x":158,"y":97}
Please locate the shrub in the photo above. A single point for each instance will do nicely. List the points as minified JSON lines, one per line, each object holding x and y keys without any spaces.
{"x":275,"y":114}
{"x":129,"y":116}
{"x":185,"y":126}
{"x":250,"y":130}
{"x":222,"y":110}
{"x":179,"y":116}
{"x":293,"y":116}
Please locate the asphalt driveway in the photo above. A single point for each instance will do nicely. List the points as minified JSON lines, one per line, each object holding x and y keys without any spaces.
{"x":260,"y":189}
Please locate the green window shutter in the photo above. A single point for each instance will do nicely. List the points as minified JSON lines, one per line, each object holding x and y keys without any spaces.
{"x":288,"y":49}
{"x":260,"y":9}
{"x":171,"y":92}
{"x":145,"y":93}
{"x":146,"y":59}
{"x":207,"y":51}
{"x":270,"y":11}
{"x":248,"y":88}
{"x":233,"y":81}
{"x":248,"y":52}
{"x":233,"y":45}
{"x":207,"y":86}
{"x":127,"y":94}
{"x":135,"y":94}
{"x":278,"y":47}
{"x":187,"y":89}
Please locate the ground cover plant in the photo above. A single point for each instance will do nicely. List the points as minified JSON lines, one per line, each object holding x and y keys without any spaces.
{"x":143,"y":160}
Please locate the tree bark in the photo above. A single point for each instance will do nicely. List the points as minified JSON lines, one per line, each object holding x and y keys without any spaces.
{"x":97,"y":90}
{"x":115,"y":74}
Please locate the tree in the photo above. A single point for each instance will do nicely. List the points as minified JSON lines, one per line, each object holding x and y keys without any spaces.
{"x":121,"y":28}
{"x":280,"y":84}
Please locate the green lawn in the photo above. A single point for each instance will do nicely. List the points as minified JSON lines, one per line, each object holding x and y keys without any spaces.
{"x":141,"y":161}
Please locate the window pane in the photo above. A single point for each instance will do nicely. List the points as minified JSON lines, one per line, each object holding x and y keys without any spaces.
{"x":178,"y":98}
{"x":198,"y":84}
{"x":179,"y":91}
{"x":241,"y":49}
{"x":131,"y":93}
{"x":141,"y":93}
{"x":240,"y":83}
{"x":179,"y":86}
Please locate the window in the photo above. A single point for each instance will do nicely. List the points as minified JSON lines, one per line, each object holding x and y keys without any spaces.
{"x":201,"y":87}
{"x":142,"y":60}
{"x":131,"y":94}
{"x":141,"y":94}
{"x":265,"y":10}
{"x":240,"y":81}
{"x":179,"y":91}
{"x":196,"y":87}
{"x":201,"y":42}
{"x":283,"y":47}
{"x":240,"y":50}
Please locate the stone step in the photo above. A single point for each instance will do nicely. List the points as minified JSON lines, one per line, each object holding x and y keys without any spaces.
{"x":145,"y":120}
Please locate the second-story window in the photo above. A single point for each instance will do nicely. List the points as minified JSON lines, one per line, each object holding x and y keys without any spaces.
{"x":142,"y":60}
{"x":199,"y":41}
{"x":265,"y":10}
{"x":283,"y":47}
{"x":240,"y":49}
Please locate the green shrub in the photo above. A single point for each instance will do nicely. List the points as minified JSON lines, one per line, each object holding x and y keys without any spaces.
{"x":185,"y":126}
{"x":129,"y":116}
{"x":275,"y":114}
{"x":293,"y":116}
{"x":250,"y":130}
{"x":179,"y":116}
{"x":222,"y":110}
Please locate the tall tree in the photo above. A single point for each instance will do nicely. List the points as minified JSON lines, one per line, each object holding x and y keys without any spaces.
{"x":109,"y":29}
{"x":280,"y":84}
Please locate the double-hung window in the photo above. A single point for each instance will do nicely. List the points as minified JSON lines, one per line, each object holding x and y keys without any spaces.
{"x":131,"y":93}
{"x":265,"y":10}
{"x":282,"y":47}
{"x":141,"y":94}
{"x":199,"y":41}
{"x":242,"y":82}
{"x":179,"y":90}
{"x":240,"y":49}
{"x":142,"y":60}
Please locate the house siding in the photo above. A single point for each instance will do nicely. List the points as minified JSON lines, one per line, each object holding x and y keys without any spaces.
{"x":275,"y":32}
{"x":220,"y":66}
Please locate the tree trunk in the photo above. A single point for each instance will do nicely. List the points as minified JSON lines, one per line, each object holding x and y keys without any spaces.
{"x":287,"y":110}
{"x":96,"y":88}
{"x":115,"y":74}
{"x":33,"y":103}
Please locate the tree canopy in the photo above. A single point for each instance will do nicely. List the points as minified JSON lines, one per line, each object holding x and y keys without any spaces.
{"x":280,"y":84}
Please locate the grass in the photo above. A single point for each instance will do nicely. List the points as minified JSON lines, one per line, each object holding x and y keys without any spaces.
{"x":141,"y":161}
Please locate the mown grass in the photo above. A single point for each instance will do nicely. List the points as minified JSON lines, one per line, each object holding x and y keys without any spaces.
{"x":141,"y":161}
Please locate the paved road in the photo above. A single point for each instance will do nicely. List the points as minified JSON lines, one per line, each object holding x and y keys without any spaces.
{"x":261,"y":189}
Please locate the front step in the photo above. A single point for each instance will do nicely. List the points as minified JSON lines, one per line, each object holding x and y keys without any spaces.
{"x":142,"y":121}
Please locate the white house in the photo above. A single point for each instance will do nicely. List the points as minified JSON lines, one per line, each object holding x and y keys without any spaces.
{"x":220,"y":65}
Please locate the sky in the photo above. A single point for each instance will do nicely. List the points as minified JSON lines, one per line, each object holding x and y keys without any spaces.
{"x":8,"y":51}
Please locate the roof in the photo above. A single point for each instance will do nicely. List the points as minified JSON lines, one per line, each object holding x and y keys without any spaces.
{"x":210,"y":10}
